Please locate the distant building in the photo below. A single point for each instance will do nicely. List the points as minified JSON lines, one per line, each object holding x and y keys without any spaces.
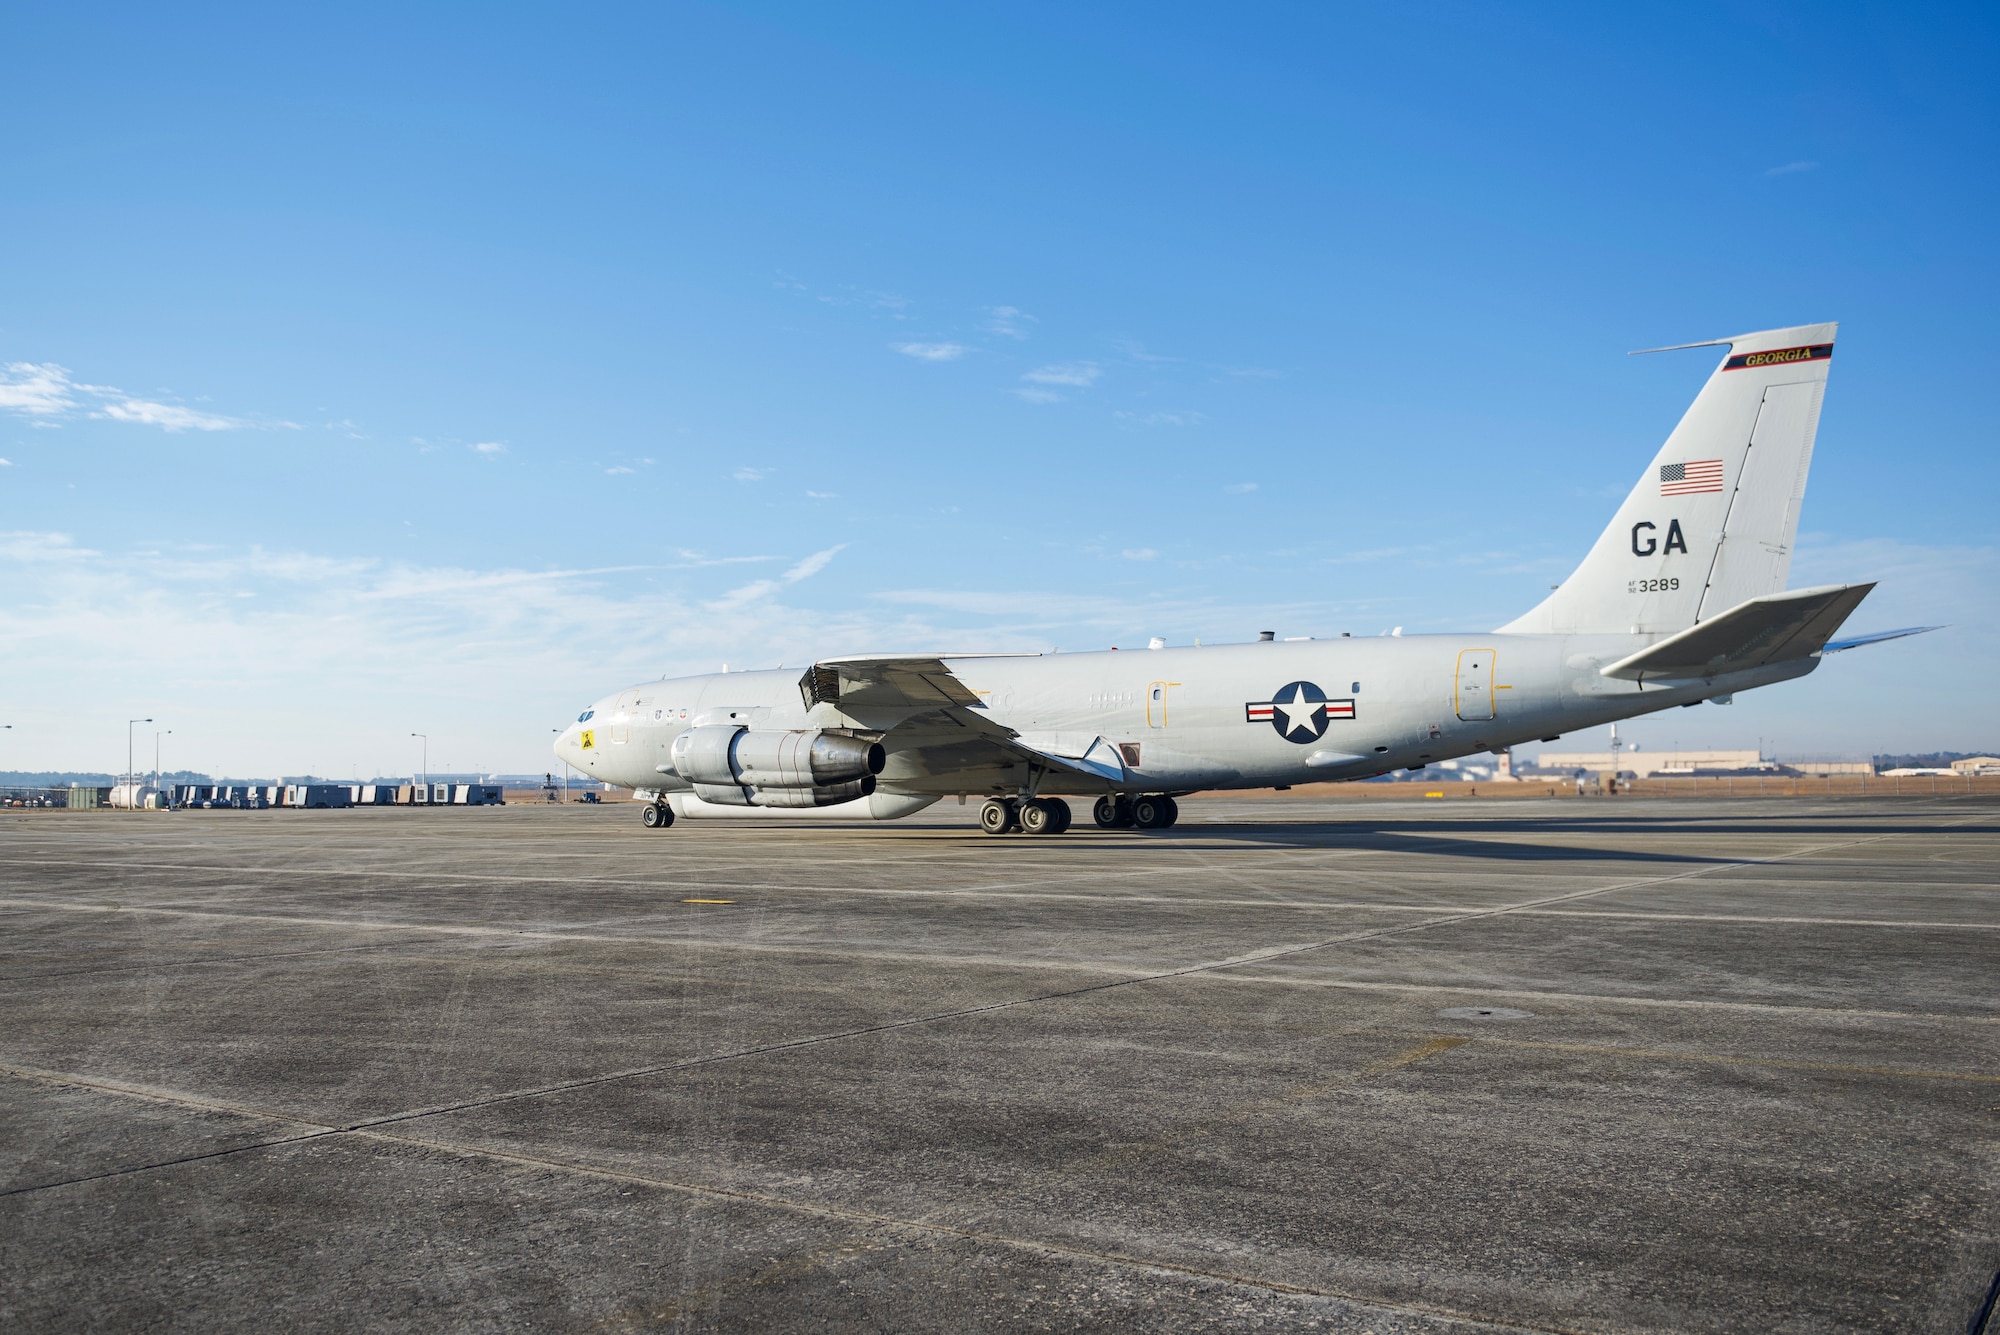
{"x":1820,"y":768}
{"x":1977,"y":765}
{"x":1657,"y":764}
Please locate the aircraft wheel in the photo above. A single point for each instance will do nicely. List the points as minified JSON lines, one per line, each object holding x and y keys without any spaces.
{"x":1173,"y":813}
{"x":1037,"y":817}
{"x":1113,"y":812}
{"x":1152,"y":813}
{"x":1060,"y":809}
{"x":998,"y":816}
{"x":657,"y":816}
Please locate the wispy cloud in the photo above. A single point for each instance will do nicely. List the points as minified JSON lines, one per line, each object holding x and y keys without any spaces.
{"x":1790,"y":168}
{"x":45,"y":392}
{"x":694,"y":560}
{"x":36,"y":389}
{"x":887,"y":302}
{"x":813,"y":564}
{"x":6,"y":463}
{"x":1078,"y":374}
{"x":823,"y":495}
{"x":616,"y":469}
{"x":932,"y":352}
{"x":1138,"y":554}
{"x":1039,"y":395}
{"x":764,"y":588}
{"x":1240,"y":488}
{"x":1008,"y":321}
{"x":490,"y":447}
{"x":751,"y":474}
{"x":1132,"y":350}
{"x":167,"y":416}
{"x":1180,"y":418}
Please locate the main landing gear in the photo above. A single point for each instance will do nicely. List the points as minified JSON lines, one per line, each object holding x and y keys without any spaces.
{"x":1037,"y":815}
{"x":1051,"y":815}
{"x":1150,"y":812}
{"x":657,"y":816}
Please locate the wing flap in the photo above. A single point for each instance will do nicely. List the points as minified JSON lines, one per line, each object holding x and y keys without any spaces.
{"x":1775,"y":628}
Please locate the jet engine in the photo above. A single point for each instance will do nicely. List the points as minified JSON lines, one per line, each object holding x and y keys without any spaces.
{"x":737,"y":766}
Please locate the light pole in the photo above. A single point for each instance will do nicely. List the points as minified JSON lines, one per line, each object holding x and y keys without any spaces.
{"x":565,"y":765}
{"x":427,"y":762}
{"x":130,"y":796}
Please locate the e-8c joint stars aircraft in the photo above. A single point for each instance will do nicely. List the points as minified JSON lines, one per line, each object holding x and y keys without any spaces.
{"x":1682,"y":600}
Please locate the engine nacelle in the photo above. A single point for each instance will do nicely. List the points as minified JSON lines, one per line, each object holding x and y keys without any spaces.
{"x":737,"y":766}
{"x":825,"y":795}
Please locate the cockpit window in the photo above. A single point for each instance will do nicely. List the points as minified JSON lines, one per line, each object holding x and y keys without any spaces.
{"x":584,"y":717}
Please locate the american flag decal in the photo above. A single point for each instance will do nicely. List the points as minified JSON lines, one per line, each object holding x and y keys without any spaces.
{"x":1687,"y":479}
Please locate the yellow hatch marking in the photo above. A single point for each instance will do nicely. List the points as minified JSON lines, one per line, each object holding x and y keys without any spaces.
{"x":1433,"y":794}
{"x":708,"y":901}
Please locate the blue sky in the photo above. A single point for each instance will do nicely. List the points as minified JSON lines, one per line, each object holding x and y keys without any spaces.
{"x":375,"y":370}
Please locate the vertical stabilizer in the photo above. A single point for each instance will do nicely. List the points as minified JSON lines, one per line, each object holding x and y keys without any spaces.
{"x":1712,"y":520}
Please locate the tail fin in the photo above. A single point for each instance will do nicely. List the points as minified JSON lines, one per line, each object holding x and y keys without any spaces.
{"x":1711,"y":522}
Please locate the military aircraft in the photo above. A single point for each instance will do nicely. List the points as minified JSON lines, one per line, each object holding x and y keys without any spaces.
{"x":1682,"y":600}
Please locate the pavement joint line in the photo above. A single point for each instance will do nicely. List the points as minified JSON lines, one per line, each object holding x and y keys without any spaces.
{"x":1130,"y":973}
{"x":725,"y":1195}
{"x":1726,"y":1059}
{"x":153,"y":966}
{"x":851,"y":1214}
{"x":890,"y":1026}
{"x":1345,"y":905}
{"x":655,"y":882}
{"x":1601,"y":998}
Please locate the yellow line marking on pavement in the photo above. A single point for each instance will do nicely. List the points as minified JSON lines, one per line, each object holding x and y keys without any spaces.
{"x":708,"y":901}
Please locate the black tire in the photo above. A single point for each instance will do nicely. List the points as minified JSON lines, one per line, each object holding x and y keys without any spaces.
{"x":657,"y":816}
{"x":1113,"y":812}
{"x":1173,"y":813}
{"x":1037,"y":817}
{"x":1151,"y":813}
{"x":1062,"y":812}
{"x":997,"y":816}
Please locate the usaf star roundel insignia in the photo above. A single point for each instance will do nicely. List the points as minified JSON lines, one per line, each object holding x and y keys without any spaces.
{"x":1299,"y":711}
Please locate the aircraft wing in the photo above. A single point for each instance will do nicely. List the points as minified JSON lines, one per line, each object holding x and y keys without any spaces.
{"x":940,"y":725}
{"x":908,"y":681}
{"x":1772,"y":629}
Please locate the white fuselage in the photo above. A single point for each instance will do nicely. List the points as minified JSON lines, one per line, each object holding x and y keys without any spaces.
{"x":1185,"y":719}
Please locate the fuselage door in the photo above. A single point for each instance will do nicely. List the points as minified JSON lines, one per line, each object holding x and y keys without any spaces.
{"x":1157,"y":693}
{"x":1475,"y":684}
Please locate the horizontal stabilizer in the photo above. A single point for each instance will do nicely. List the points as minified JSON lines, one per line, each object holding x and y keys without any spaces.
{"x":1855,"y":642}
{"x":1775,"y":628}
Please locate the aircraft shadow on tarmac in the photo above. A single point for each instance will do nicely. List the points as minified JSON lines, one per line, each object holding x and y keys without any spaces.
{"x":1460,"y":838}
